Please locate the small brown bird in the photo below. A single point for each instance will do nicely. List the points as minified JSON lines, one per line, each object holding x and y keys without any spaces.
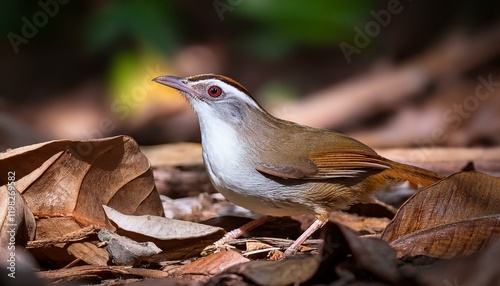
{"x":280,"y":168}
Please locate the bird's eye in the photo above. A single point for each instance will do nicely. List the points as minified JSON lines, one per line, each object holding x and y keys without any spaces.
{"x":214,"y":91}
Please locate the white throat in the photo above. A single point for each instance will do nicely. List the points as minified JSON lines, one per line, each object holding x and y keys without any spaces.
{"x":220,"y":149}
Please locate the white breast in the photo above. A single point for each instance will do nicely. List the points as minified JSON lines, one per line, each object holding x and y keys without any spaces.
{"x":235,"y":176}
{"x":222,"y":153}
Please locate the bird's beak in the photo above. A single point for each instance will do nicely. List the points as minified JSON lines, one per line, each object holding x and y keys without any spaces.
{"x":174,"y":82}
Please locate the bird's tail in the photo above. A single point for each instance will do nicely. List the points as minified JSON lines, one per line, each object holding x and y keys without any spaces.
{"x":412,"y":174}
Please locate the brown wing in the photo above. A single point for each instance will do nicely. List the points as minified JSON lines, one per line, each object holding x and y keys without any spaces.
{"x":334,"y":165}
{"x":289,"y":169}
{"x":331,"y":155}
{"x":326,"y":166}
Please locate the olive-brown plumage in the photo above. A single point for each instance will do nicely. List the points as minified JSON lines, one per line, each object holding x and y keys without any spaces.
{"x":280,"y":168}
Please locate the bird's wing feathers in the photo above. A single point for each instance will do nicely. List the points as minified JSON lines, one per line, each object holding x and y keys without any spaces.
{"x":300,"y":168}
{"x":333,"y":165}
{"x":342,"y":157}
{"x":325,"y":166}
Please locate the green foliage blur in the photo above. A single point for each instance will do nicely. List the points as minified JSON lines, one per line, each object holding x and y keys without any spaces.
{"x":56,"y":52}
{"x":110,"y":35}
{"x":62,"y":42}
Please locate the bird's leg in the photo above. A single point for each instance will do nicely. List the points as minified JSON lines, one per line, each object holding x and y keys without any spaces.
{"x":317,"y":224}
{"x":235,"y":233}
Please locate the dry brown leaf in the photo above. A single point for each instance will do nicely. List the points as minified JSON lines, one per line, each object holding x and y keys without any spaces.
{"x":210,"y":265}
{"x":78,"y":235}
{"x":69,"y":181}
{"x":450,"y":240}
{"x":89,"y":252}
{"x":17,"y":223}
{"x":178,"y":239}
{"x":75,"y":178}
{"x":159,"y":227}
{"x":63,"y":253}
{"x":451,"y":218}
{"x":291,"y":270}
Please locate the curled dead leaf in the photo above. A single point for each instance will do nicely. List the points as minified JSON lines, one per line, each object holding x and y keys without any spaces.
{"x":178,"y":239}
{"x":450,"y":240}
{"x":69,"y":181}
{"x":75,"y":178}
{"x":455,"y":217}
{"x":159,"y":227}
{"x":17,"y":223}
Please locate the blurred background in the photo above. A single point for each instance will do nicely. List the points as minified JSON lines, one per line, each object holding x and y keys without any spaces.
{"x":389,"y":73}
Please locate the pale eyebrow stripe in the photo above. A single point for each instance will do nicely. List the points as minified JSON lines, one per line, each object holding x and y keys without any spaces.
{"x":225,"y":79}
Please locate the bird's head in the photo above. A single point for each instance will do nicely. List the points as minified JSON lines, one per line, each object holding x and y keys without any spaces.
{"x":213,"y":95}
